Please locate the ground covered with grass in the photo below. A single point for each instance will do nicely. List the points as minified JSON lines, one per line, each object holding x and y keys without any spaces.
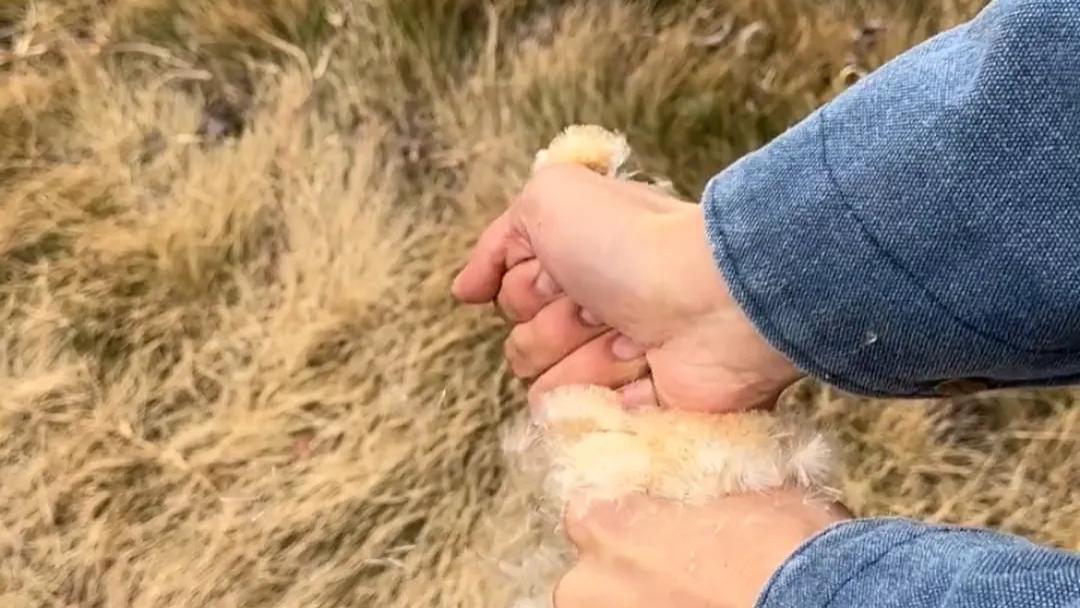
{"x":230,"y":370}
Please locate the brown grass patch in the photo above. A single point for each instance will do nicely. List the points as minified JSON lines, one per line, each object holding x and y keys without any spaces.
{"x":231,"y":373}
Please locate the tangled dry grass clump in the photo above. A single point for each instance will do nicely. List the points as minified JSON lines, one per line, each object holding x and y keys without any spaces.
{"x":230,"y":370}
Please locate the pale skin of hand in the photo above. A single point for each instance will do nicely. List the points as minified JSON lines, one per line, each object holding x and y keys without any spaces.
{"x":639,"y":552}
{"x":613,"y":283}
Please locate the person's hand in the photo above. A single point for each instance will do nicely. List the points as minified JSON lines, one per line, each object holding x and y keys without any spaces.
{"x":646,"y":552}
{"x":613,"y":283}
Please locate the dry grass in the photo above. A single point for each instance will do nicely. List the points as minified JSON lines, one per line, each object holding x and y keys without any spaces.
{"x":230,"y":372}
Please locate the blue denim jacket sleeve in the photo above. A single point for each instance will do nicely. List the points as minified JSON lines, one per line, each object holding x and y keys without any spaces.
{"x":924,"y":226}
{"x":895,"y":563}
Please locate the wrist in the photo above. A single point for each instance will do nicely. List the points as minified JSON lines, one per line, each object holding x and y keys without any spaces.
{"x":774,"y":370}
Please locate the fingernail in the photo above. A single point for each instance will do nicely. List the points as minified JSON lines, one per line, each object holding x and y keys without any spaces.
{"x":545,"y":285}
{"x":638,"y":395}
{"x":626,"y":349}
{"x":588,"y":318}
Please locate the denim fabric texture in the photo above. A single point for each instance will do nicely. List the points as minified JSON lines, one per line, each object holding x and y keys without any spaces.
{"x":922,"y":231}
{"x":897,"y":563}
{"x":924,"y":226}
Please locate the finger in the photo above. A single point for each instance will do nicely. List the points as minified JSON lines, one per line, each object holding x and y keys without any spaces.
{"x":499,"y":248}
{"x":575,"y":523}
{"x":640,"y":394}
{"x":590,"y":584}
{"x":580,"y":517}
{"x":609,"y":360}
{"x":556,"y":331}
{"x":526,"y":289}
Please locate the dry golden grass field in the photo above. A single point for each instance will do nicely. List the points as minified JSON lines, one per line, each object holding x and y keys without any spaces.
{"x":231,"y":373}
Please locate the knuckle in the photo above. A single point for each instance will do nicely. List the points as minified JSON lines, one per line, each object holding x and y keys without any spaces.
{"x":522,"y":337}
{"x":523,"y":353}
{"x":509,"y":305}
{"x":576,"y":523}
{"x":514,"y":356}
{"x":515,"y":297}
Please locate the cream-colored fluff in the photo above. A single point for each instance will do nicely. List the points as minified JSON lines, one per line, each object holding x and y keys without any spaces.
{"x":581,"y":442}
{"x":586,"y":443}
{"x":594,"y":147}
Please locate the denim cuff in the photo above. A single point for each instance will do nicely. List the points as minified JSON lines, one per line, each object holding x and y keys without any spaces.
{"x":900,"y":563}
{"x":820,"y":568}
{"x":822,"y":289}
{"x":839,"y":555}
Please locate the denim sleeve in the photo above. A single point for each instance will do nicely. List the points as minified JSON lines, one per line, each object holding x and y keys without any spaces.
{"x":921,"y":233}
{"x":896,"y":563}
